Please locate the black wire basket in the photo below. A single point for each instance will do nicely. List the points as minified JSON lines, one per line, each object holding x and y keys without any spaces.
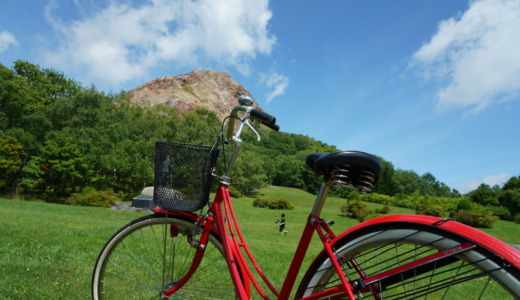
{"x":183,"y":175}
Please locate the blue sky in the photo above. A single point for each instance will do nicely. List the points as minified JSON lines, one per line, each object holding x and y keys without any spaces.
{"x":430,"y":85}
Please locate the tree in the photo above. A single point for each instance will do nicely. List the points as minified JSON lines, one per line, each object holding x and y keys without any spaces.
{"x":14,"y":99}
{"x":12,"y":156}
{"x":407,"y":181}
{"x":248,"y":174}
{"x":46,"y":84}
{"x":288,"y":172}
{"x":484,"y":195}
{"x":33,"y":179}
{"x":512,"y":183}
{"x":63,"y":162}
{"x":387,"y":184}
{"x":200,"y":126}
{"x":510,"y":199}
{"x":312,"y":183}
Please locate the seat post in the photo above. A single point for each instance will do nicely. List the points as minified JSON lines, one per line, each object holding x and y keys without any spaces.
{"x":320,"y":199}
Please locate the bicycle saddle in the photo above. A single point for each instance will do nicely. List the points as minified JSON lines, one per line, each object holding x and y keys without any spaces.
{"x":355,"y":168}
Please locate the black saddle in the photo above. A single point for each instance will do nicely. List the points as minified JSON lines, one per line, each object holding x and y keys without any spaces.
{"x":355,"y":168}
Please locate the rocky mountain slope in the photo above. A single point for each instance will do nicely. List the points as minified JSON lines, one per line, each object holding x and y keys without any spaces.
{"x":216,"y":91}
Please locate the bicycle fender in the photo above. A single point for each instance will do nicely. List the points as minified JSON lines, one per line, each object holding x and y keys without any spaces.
{"x":478,"y":237}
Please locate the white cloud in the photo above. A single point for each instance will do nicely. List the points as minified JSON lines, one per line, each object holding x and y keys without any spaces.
{"x":123,"y":42}
{"x":492,"y":180}
{"x":277,"y":83}
{"x":477,"y":54}
{"x":7,"y":39}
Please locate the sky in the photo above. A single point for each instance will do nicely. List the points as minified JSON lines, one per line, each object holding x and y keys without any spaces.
{"x":430,"y":86}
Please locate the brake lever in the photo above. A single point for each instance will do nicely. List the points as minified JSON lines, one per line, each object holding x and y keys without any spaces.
{"x":253,"y":129}
{"x":257,"y":126}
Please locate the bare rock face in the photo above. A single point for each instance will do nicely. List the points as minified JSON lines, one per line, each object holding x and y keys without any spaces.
{"x":216,"y":91}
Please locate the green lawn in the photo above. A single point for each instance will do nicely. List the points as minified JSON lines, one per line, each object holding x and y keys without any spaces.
{"x":47,"y":251}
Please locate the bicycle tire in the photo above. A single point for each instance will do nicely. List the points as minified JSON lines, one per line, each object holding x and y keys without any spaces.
{"x":151,"y":252}
{"x":474,"y":274}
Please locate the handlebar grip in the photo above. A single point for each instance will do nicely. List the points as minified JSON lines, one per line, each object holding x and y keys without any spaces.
{"x":264,"y":117}
{"x":273,"y":127}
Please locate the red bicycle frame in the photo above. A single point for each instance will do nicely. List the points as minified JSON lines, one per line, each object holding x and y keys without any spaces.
{"x":235,"y":247}
{"x":239,"y":257}
{"x":224,"y":223}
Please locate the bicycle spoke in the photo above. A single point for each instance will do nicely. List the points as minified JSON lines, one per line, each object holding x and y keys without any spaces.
{"x":154,"y":253}
{"x":407,"y":263}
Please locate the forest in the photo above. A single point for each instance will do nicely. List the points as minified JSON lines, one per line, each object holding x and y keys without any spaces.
{"x":63,"y":142}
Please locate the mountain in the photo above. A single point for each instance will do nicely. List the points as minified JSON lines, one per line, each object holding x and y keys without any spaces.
{"x":216,"y":91}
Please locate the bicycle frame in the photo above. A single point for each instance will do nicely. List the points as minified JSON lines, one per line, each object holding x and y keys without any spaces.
{"x":235,"y":246}
{"x":224,"y":223}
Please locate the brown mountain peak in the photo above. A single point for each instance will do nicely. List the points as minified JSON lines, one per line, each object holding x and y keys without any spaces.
{"x":216,"y":91}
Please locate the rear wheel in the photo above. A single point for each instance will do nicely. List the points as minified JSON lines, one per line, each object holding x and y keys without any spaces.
{"x":151,"y":254}
{"x":464,"y":271}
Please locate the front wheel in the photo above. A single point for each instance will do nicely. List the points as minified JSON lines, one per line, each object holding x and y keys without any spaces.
{"x":152,"y":254}
{"x":413,"y":261}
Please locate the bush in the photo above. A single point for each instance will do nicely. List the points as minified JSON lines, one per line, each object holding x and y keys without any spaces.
{"x":367,"y":217}
{"x":235,"y":193}
{"x":383,"y":210}
{"x":378,"y":198}
{"x":405,"y":201}
{"x":281,"y":203}
{"x":475,"y":219}
{"x":464,"y":204}
{"x":430,"y":210}
{"x":261,"y":202}
{"x":517,"y":218}
{"x":92,"y":197}
{"x":356,"y":209}
{"x":353,"y":195}
{"x":501,"y":212}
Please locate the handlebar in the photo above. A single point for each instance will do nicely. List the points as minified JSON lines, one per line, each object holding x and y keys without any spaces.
{"x":248,"y":113}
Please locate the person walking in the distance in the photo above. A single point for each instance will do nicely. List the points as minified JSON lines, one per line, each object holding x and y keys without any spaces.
{"x":282,"y":225}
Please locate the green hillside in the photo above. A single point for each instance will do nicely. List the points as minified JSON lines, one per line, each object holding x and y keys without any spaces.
{"x":65,"y":143}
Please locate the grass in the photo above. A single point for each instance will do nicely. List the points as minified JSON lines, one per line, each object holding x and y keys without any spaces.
{"x":49,"y":250}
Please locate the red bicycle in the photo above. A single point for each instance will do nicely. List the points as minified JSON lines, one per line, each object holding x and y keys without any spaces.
{"x":180,"y":254}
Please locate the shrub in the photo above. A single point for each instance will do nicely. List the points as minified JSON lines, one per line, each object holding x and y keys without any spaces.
{"x":235,"y":193}
{"x":379,"y":198}
{"x":430,"y":210}
{"x":353,"y":195}
{"x":475,"y":219}
{"x":464,"y":204}
{"x":355,"y":209}
{"x":383,"y":210}
{"x":281,"y":203}
{"x":405,"y":201}
{"x":501,"y":212}
{"x":92,"y":197}
{"x":367,"y":217}
{"x":261,"y":202}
